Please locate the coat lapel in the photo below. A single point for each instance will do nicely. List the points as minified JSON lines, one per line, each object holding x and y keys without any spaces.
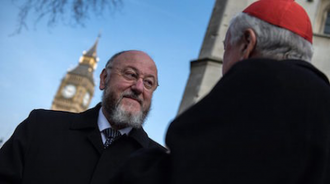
{"x":87,"y":121}
{"x":140,"y":136}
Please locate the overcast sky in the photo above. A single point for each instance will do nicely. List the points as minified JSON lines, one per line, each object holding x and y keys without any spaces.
{"x":34,"y":62}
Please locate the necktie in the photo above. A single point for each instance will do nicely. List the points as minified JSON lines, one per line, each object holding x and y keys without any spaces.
{"x":110,"y":135}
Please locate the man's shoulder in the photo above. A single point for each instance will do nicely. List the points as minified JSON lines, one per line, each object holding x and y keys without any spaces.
{"x":263,"y":70}
{"x":51,"y":114}
{"x":42,"y":118}
{"x":155,"y":145}
{"x":144,"y":140}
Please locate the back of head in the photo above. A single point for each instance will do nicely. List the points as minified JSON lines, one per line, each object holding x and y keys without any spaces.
{"x":282,"y":27}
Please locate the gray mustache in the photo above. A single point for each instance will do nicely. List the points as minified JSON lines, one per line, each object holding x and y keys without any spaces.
{"x":133,"y":96}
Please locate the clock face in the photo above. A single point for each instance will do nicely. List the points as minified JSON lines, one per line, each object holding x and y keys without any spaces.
{"x":69,"y":91}
{"x":86,"y":99}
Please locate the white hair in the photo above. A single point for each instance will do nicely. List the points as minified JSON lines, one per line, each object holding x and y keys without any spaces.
{"x":272,"y":41}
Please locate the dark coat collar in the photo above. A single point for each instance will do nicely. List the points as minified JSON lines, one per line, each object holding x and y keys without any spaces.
{"x":275,"y":63}
{"x":140,"y":136}
{"x":88,"y":120}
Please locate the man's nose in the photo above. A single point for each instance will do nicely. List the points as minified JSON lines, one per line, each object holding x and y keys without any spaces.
{"x":138,"y":86}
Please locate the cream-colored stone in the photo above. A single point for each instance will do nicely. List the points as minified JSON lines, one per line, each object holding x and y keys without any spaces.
{"x":81,"y":77}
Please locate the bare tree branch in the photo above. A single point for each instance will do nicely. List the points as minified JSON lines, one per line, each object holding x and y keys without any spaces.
{"x":73,"y":12}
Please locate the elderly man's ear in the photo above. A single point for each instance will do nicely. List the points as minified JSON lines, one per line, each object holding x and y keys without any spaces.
{"x":248,"y":44}
{"x":103,"y":78}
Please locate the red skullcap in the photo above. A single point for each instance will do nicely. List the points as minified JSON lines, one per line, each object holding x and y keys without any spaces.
{"x":286,"y":14}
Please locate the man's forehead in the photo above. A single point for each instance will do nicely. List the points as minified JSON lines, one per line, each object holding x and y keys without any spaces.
{"x":137,"y":57}
{"x":137,"y":60}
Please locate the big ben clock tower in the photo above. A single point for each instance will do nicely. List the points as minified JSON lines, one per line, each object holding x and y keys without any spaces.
{"x":77,"y":87}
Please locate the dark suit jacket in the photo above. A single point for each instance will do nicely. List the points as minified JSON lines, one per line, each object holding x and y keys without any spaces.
{"x":61,"y":147}
{"x":264,"y":122}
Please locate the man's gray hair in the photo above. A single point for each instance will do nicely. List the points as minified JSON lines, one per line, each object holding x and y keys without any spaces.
{"x":272,"y":42}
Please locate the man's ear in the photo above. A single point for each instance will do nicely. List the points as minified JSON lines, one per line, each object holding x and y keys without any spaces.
{"x":249,"y":42}
{"x":103,"y":79}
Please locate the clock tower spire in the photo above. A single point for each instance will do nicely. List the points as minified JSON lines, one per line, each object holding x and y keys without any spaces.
{"x":77,"y":87}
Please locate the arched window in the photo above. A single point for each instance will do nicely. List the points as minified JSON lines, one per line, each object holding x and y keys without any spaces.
{"x":327,"y":24}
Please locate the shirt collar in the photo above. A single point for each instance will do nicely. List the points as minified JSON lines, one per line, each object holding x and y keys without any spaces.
{"x":103,"y":123}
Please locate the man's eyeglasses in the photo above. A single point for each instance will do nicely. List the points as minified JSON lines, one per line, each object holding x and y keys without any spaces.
{"x":133,"y":75}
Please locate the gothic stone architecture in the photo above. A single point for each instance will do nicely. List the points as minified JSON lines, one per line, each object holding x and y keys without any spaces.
{"x":206,"y":70}
{"x":77,"y":87}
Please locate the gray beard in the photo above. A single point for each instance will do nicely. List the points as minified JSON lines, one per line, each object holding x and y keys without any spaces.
{"x":120,"y":116}
{"x":123,"y":118}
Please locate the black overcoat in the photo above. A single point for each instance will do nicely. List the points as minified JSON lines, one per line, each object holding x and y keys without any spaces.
{"x":52,"y":147}
{"x":264,"y":122}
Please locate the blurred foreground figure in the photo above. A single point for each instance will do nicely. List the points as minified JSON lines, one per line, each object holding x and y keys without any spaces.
{"x":53,"y":147}
{"x":266,"y":121}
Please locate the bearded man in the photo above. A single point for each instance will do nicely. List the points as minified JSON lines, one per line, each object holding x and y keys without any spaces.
{"x":62,"y":147}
